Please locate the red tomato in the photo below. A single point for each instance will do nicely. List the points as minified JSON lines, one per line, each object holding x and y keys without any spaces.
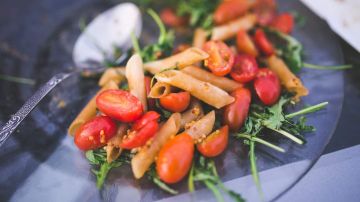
{"x":221,"y":57}
{"x":169,"y":17}
{"x":145,"y":119}
{"x":230,"y":10}
{"x":245,"y":68}
{"x":176,"y":102}
{"x":95,"y":133}
{"x":150,"y":101}
{"x":265,"y":11}
{"x":263,"y":42}
{"x":215,"y":143}
{"x":120,"y":105}
{"x":138,"y":138}
{"x":245,"y":44}
{"x":236,"y":113}
{"x":175,"y":158}
{"x":284,"y":23}
{"x":267,"y":86}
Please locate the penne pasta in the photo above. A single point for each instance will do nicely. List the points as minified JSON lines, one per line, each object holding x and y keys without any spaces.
{"x":230,"y":29}
{"x":224,"y":83}
{"x":188,"y":57}
{"x":194,"y":112}
{"x":204,"y":91}
{"x":141,"y":162}
{"x":116,"y":74}
{"x":112,"y":148}
{"x":201,"y":128}
{"x":136,"y":79}
{"x":288,"y":79}
{"x":89,"y":111}
{"x":159,"y":90}
{"x":200,"y":37}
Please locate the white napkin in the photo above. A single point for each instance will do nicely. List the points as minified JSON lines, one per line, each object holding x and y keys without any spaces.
{"x":343,"y":16}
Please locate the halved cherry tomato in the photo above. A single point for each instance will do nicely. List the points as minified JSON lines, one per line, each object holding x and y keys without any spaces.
{"x":176,"y":102}
{"x":215,"y":143}
{"x":284,"y":23}
{"x":267,"y":86}
{"x":150,"y":101}
{"x":221,"y":57}
{"x":245,"y":68}
{"x":265,"y":11}
{"x":236,"y":113}
{"x":263,"y":42}
{"x":174,"y":159}
{"x":95,"y":133}
{"x":169,"y":17}
{"x":120,"y":105}
{"x":245,"y":44}
{"x":145,"y":119}
{"x":230,"y":10}
{"x":138,"y":138}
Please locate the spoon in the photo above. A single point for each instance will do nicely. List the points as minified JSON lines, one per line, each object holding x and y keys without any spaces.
{"x":109,"y":30}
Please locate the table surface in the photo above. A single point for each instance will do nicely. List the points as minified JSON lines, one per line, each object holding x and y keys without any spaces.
{"x":41,"y":17}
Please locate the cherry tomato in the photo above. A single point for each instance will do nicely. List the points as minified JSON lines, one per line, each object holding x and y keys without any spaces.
{"x":150,"y":101}
{"x":120,"y":105}
{"x":236,"y":113}
{"x":263,"y":42}
{"x":230,"y":10}
{"x":138,"y":138}
{"x":267,"y":86}
{"x":284,"y":23}
{"x":215,"y":143}
{"x":174,"y":159}
{"x":169,"y":17}
{"x":221,"y":57}
{"x":265,"y":10}
{"x":245,"y":68}
{"x":95,"y":133}
{"x":176,"y":102}
{"x":145,"y":119}
{"x":245,"y":44}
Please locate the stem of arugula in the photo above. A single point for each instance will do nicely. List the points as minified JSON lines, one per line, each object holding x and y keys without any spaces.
{"x":17,"y":79}
{"x":288,"y":135}
{"x":158,"y":21}
{"x":135,"y":43}
{"x":191,"y":186}
{"x":338,"y":67}
{"x":253,"y":167}
{"x":215,"y":191}
{"x":261,"y":141}
{"x":308,"y":110}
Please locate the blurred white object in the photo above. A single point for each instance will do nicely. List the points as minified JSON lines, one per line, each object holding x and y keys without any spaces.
{"x":343,"y":16}
{"x":110,"y":30}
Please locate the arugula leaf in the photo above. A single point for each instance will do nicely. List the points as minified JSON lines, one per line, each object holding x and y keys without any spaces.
{"x":152,"y":175}
{"x":276,"y":117}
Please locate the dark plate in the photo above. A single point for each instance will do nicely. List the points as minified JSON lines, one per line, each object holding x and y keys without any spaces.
{"x":41,"y":163}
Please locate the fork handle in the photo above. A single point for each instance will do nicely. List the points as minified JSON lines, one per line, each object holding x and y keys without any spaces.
{"x":29,"y":105}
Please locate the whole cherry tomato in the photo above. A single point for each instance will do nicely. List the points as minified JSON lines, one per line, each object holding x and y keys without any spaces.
{"x":230,"y":10}
{"x":267,"y":86}
{"x":221,"y":57}
{"x":142,"y":130}
{"x":174,"y":159}
{"x":95,"y":133}
{"x":215,"y":143}
{"x":284,"y":23}
{"x":236,"y":113}
{"x":169,"y":17}
{"x":120,"y":105}
{"x":245,"y":68}
{"x":263,"y":42}
{"x":176,"y":102}
{"x":245,"y":44}
{"x":150,"y":101}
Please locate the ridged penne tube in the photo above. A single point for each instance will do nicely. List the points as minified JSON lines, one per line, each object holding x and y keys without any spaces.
{"x":188,"y":57}
{"x":116,"y":74}
{"x":141,"y":162}
{"x":288,"y":79}
{"x":204,"y":91}
{"x":89,"y":111}
{"x":230,"y":29}
{"x":200,"y":37}
{"x":159,"y":90}
{"x":194,"y":112}
{"x":112,"y":148}
{"x":224,"y":83}
{"x":201,"y":128}
{"x":136,"y":79}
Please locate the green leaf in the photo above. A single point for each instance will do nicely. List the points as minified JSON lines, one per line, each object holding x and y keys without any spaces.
{"x":277,"y":117}
{"x":152,"y":175}
{"x":91,"y":158}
